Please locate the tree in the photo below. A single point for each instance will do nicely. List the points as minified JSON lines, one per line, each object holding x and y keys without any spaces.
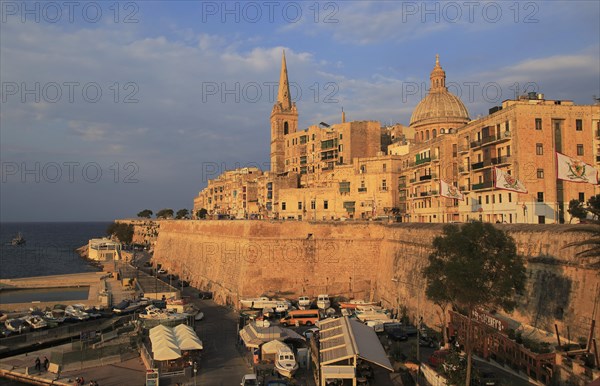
{"x":591,"y":243}
{"x":182,"y":213}
{"x":576,"y":210}
{"x":202,"y":213}
{"x":165,"y":213}
{"x":146,"y":213}
{"x":123,"y":232}
{"x":471,"y":267}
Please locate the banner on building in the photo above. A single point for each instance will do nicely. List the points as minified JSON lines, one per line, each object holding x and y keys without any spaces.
{"x":505,"y":181}
{"x":574,"y":170}
{"x":450,"y":191}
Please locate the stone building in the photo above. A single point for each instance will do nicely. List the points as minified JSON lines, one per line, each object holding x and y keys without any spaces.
{"x":360,"y":170}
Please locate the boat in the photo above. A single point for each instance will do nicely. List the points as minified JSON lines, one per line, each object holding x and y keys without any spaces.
{"x":125,"y":307}
{"x":353,"y":304}
{"x":256,"y":303}
{"x":154,"y":313}
{"x":35,"y":321}
{"x":53,"y":317}
{"x":323,"y":302}
{"x":303,"y":302}
{"x":285,"y":363}
{"x":75,"y":314}
{"x":18,"y":239}
{"x":15,"y":325}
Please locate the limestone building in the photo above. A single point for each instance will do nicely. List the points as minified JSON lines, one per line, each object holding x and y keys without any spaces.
{"x":361,"y":170}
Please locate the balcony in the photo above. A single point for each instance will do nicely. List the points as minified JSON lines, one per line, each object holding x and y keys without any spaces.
{"x":463,"y":149}
{"x":483,"y":185}
{"x":425,"y":177}
{"x":422,"y":161}
{"x":464,"y":169}
{"x":428,"y":194}
{"x":501,"y":160}
{"x":402,"y":185}
{"x":463,"y":188}
{"x":412,"y":180}
{"x":475,"y":144}
{"x":477,"y":165}
{"x":435,"y":158}
{"x":362,"y":190}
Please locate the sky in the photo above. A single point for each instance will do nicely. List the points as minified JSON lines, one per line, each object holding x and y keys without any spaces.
{"x":109,"y":108}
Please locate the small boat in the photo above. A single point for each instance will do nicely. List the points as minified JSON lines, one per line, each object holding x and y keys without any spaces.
{"x":18,"y":240}
{"x":323,"y":302}
{"x":52,"y":317}
{"x":286,"y":364}
{"x":303,"y":302}
{"x":36,"y":322}
{"x":125,"y":307}
{"x":154,"y":313}
{"x":353,"y":304}
{"x":15,"y":325}
{"x":75,"y":314}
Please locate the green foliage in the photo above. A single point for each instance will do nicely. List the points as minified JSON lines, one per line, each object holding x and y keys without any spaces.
{"x":123,"y":232}
{"x":182,"y":213}
{"x":576,"y":209}
{"x":474,"y":266}
{"x":455,"y":368}
{"x":486,"y":256}
{"x":594,"y":205}
{"x":202,"y":213}
{"x":146,"y":213}
{"x":591,"y":243}
{"x":165,"y":213}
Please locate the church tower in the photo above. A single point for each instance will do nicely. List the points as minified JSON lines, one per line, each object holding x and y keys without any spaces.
{"x":284,"y":120}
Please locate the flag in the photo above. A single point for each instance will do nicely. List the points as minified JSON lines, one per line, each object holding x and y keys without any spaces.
{"x":450,"y":191}
{"x":505,"y":181}
{"x":574,"y":170}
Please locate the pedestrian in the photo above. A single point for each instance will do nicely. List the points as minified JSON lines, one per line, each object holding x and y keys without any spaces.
{"x":38,"y":366}
{"x":46,"y":363}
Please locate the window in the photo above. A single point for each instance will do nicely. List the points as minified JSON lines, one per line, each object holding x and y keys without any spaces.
{"x":479,"y":200}
{"x":578,"y":125}
{"x":283,"y":206}
{"x":299,"y":205}
{"x":509,"y":197}
{"x":538,"y":123}
{"x":540,"y":173}
{"x":487,"y":199}
{"x":581,"y":197}
{"x":384,"y":185}
{"x":313,"y":204}
{"x":540,"y":197}
{"x":285,"y":128}
{"x":344,"y":187}
{"x":541,"y":219}
{"x":579,"y":149}
{"x":340,"y":135}
{"x":340,"y":147}
{"x":508,"y":151}
{"x":325,"y":204}
{"x":539,"y":149}
{"x":500,"y":198}
{"x":384,"y":167}
{"x":493,"y":198}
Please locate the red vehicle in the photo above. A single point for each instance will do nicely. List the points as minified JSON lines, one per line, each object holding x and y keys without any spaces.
{"x":438,"y":358}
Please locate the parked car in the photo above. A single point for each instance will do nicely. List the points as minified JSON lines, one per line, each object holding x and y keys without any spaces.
{"x":249,"y":380}
{"x":397,"y":334}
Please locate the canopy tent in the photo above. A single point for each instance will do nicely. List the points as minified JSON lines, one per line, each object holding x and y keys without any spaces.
{"x":164,"y":353}
{"x":168,"y":342}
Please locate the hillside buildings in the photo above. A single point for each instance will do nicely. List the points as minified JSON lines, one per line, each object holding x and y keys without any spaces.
{"x":361,"y":170}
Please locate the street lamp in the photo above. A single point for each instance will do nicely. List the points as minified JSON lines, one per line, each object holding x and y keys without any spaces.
{"x":418,"y":323}
{"x":195,"y":372}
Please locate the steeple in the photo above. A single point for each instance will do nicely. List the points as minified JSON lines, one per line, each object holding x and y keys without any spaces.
{"x":437,"y":77}
{"x":283,"y":96}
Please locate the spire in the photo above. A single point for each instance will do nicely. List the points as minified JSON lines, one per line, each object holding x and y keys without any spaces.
{"x":283,"y":96}
{"x":437,"y":77}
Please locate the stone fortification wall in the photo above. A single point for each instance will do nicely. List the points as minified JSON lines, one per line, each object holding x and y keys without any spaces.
{"x":237,"y":259}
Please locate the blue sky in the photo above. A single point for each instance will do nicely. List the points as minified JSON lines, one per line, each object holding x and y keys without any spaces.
{"x":117,"y":107}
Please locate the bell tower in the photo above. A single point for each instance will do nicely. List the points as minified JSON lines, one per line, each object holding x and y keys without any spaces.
{"x":284,"y":120}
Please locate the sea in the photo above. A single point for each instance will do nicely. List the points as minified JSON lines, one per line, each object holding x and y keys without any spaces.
{"x":49,"y":248}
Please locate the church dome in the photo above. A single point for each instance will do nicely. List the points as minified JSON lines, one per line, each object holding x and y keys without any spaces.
{"x":439,"y":106}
